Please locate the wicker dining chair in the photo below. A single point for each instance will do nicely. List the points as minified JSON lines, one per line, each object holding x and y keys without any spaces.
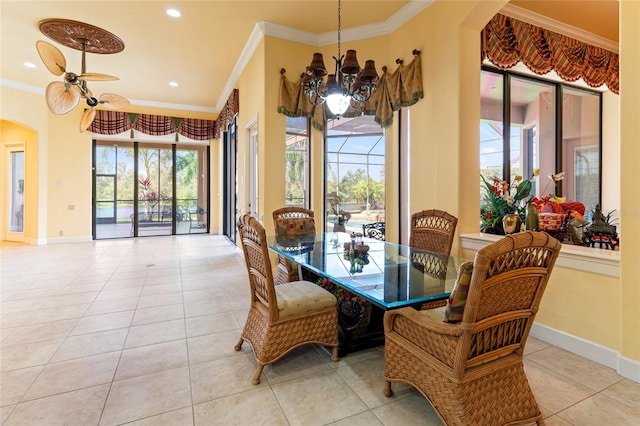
{"x":281,"y":317}
{"x":433,"y":230}
{"x":472,"y":371}
{"x":291,"y":222}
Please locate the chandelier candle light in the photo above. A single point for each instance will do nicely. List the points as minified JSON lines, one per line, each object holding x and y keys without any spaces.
{"x":348,"y":86}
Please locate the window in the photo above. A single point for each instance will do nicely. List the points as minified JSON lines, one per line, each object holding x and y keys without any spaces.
{"x":355,"y":173}
{"x":551,"y":126}
{"x":297,"y":182}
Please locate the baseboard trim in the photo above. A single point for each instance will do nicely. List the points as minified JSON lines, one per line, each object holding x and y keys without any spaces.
{"x":65,"y":240}
{"x":629,"y":368}
{"x":625,"y":367}
{"x":36,"y":241}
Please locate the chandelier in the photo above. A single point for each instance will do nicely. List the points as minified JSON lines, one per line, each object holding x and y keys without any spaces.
{"x":348,"y":86}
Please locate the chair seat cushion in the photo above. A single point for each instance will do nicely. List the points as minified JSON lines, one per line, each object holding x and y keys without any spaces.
{"x":435,"y":313}
{"x":300,"y":297}
{"x":458,"y":297}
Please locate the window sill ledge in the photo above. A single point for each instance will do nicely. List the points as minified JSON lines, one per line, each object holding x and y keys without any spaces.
{"x":586,"y":259}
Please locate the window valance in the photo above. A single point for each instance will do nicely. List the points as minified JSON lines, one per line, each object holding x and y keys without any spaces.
{"x":395,"y":90}
{"x":229,"y":111}
{"x":116,"y":122}
{"x":507,"y":41}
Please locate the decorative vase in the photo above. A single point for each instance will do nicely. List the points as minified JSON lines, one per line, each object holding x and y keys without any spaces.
{"x":532,"y":218}
{"x":511,"y":223}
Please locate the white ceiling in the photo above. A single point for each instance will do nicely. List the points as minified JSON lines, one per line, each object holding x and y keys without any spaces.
{"x":202,"y":50}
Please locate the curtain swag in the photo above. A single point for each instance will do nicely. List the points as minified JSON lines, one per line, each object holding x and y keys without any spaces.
{"x":507,"y":41}
{"x":229,"y":111}
{"x":401,"y":88}
{"x":116,"y":122}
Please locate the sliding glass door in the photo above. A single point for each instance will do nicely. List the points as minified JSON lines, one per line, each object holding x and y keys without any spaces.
{"x":155,"y":190}
{"x":146,"y":189}
{"x":113,"y":190}
{"x":192,"y":187}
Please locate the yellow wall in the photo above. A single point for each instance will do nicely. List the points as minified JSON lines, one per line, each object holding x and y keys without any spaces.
{"x":11,"y":134}
{"x":570,"y":294}
{"x":69,"y":178}
{"x":215,"y":196}
{"x":629,"y":302}
{"x":29,"y":113}
{"x":251,"y":89}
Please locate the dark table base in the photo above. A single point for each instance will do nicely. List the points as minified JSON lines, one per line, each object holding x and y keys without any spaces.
{"x":360,"y":322}
{"x":360,"y":326}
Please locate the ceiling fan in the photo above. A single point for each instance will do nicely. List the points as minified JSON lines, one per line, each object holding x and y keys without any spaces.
{"x":64,"y":96}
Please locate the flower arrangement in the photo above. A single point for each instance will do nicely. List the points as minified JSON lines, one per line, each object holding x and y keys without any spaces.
{"x":541,"y":202}
{"x":502,"y":198}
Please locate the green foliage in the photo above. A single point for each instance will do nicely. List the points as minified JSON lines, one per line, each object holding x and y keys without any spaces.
{"x":295,"y":173}
{"x":501,"y":198}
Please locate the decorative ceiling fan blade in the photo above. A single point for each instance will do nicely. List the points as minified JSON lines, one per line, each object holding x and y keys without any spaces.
{"x":112,"y":101}
{"x":62,"y":98}
{"x":52,"y":57}
{"x":87,"y":118}
{"x":94,"y":76}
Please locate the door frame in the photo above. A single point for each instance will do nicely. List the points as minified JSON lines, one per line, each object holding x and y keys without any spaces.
{"x":7,"y":149}
{"x":251,"y":168}
{"x":230,"y":180}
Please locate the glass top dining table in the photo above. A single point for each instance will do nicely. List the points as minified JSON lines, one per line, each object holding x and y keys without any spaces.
{"x":389,"y":275}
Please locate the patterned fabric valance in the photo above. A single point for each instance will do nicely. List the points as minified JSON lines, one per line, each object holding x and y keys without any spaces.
{"x":154,"y":125}
{"x":116,"y":122}
{"x":110,"y":123}
{"x":507,"y":41}
{"x":231,"y":108}
{"x":395,"y":90}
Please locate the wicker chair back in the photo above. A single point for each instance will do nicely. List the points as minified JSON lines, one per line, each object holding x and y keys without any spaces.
{"x":291,"y":222}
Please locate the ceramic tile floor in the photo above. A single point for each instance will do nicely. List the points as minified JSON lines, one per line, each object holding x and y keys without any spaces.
{"x":141,"y":332}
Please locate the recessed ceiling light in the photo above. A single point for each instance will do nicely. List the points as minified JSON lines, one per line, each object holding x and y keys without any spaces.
{"x":174,"y":13}
{"x":29,"y":65}
{"x":173,"y":84}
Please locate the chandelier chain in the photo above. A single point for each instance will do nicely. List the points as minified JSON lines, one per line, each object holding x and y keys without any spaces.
{"x":349,"y":86}
{"x":339,"y":26}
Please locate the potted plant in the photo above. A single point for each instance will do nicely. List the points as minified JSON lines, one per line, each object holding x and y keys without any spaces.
{"x":502,"y":198}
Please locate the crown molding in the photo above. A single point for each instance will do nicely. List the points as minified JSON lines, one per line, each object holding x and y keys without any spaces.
{"x":272,"y":29}
{"x":394,"y":22}
{"x":12,"y":84}
{"x":258,"y":33}
{"x":559,"y":27}
{"x":182,"y":107}
{"x":264,"y":28}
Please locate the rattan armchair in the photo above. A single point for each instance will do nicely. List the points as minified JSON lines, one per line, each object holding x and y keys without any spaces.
{"x":472,"y":372}
{"x":286,"y":316}
{"x":291,"y":222}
